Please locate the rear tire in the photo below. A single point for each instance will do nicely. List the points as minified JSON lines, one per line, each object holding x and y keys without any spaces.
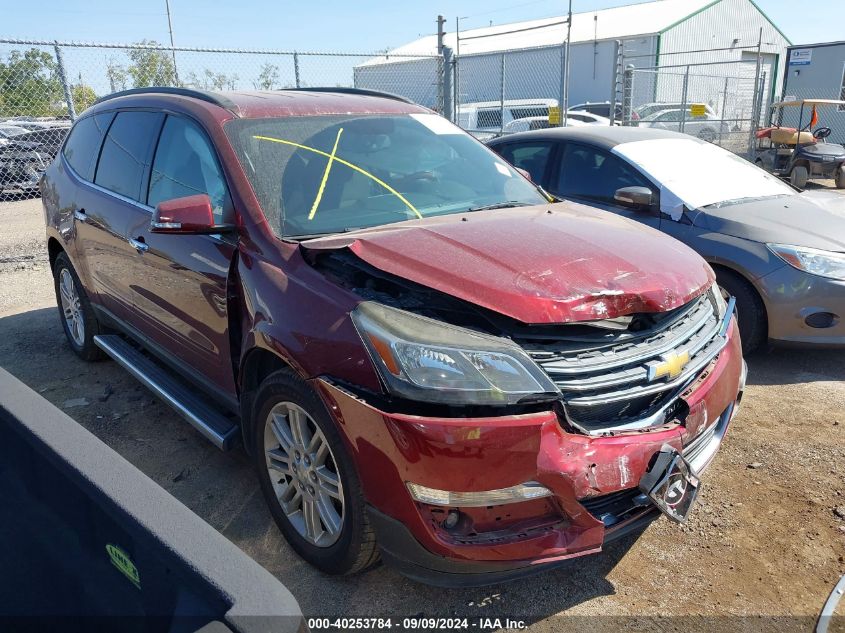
{"x":840,"y":178}
{"x":799,"y":176}
{"x":289,"y":419}
{"x":77,"y":315}
{"x":750,"y":311}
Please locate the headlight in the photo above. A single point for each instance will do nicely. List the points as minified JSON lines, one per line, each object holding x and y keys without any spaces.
{"x":424,"y":359}
{"x":811,"y":260}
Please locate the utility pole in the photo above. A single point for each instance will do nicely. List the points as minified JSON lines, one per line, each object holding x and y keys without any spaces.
{"x":565,"y":110}
{"x":441,"y":22}
{"x":172,"y":46}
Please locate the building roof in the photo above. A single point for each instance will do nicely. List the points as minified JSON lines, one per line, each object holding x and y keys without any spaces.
{"x":619,"y":22}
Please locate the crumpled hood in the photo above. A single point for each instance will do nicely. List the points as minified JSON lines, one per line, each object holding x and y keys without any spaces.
{"x":546,"y":264}
{"x":813,"y":218}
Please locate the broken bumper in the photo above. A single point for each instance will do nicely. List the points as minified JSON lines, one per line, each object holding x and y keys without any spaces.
{"x":592,"y":480}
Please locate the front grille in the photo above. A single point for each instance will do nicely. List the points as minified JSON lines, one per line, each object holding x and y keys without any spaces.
{"x":608,"y":385}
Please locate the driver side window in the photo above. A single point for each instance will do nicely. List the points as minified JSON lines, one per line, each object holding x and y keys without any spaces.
{"x":185,"y":165}
{"x":586,"y":172}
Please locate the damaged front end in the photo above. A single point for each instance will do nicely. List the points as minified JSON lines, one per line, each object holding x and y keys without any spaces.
{"x":500,"y":447}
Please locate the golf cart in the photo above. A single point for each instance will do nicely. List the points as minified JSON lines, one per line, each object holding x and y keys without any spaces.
{"x":801,"y":153}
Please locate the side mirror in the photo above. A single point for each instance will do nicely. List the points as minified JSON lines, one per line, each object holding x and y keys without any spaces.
{"x":525,"y":173}
{"x":186,"y":216}
{"x":635,"y":197}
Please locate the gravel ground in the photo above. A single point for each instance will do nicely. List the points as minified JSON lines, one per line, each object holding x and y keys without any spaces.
{"x":767,"y":540}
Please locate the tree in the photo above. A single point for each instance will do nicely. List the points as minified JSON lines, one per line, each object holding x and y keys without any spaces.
{"x":268,"y":78}
{"x":150,"y":67}
{"x":116,"y":75}
{"x":29,"y":84}
{"x":212,"y":81}
{"x":83,"y":97}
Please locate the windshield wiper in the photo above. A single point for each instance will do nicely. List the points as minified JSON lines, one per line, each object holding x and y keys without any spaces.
{"x":499,"y":205}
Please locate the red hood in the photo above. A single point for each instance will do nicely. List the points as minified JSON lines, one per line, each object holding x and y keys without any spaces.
{"x":547,"y":264}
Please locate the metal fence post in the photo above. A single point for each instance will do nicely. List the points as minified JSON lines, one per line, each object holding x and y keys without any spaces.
{"x":502,"y":95}
{"x":60,"y":69}
{"x":296,"y":69}
{"x":684,"y":96}
{"x":562,"y":92}
{"x":617,"y":71}
{"x":446,"y":80}
{"x":627,"y":94}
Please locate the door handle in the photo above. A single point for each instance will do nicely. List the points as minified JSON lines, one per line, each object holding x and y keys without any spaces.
{"x":79,"y":215}
{"x":139,"y":244}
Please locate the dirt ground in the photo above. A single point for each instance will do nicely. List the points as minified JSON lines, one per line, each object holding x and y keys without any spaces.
{"x":765,"y":544}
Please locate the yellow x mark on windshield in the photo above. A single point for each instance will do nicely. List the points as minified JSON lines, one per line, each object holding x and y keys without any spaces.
{"x":332,"y":159}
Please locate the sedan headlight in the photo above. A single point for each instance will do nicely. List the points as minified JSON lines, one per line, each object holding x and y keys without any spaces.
{"x":424,"y":359}
{"x":812,"y":260}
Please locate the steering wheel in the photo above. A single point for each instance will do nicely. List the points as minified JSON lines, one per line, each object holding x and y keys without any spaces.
{"x":822,"y":132}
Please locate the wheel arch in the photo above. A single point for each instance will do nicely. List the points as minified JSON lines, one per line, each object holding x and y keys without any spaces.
{"x":718,"y":265}
{"x":54,"y":248}
{"x":256,"y":365}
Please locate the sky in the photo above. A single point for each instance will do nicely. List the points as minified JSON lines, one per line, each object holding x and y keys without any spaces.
{"x":337,"y":25}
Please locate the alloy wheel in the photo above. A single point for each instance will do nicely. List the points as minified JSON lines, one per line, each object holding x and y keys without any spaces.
{"x":304,"y":474}
{"x":72,"y":307}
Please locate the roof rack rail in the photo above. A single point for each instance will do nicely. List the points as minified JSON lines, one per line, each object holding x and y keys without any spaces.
{"x":203,"y":95}
{"x":353,"y":91}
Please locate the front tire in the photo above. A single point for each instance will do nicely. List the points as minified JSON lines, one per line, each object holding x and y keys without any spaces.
{"x":750,"y":311}
{"x":308,"y":479}
{"x":78,"y":319}
{"x":840,"y":178}
{"x":799,"y":176}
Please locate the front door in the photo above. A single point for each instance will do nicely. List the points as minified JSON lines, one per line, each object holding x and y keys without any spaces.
{"x":591,"y":176}
{"x":179,"y":287}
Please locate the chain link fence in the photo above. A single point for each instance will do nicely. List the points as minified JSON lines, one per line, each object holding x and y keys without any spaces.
{"x":45,"y":85}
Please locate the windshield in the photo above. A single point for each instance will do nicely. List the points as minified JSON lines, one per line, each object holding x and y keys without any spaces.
{"x":697,"y":174}
{"x":328,"y":174}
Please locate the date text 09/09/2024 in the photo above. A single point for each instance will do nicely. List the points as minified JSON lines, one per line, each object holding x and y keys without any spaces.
{"x":415,"y":623}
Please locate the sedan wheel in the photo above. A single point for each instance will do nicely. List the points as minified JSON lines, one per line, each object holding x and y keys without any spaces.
{"x":303,"y":473}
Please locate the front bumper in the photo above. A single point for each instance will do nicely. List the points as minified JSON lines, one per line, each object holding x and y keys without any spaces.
{"x":587,"y":476}
{"x":794,"y":301}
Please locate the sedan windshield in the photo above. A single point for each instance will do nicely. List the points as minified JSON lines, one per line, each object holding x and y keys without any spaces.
{"x":329,"y":174}
{"x":697,"y":174}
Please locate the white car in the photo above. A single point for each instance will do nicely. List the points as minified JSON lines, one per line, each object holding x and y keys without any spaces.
{"x":707,"y":127}
{"x":542,"y":122}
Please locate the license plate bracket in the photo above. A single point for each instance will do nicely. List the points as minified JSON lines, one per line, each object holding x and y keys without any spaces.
{"x":671,"y":484}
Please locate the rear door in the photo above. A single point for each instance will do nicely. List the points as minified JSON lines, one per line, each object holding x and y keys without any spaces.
{"x":179,"y":288}
{"x":535,"y":157}
{"x":110,"y":203}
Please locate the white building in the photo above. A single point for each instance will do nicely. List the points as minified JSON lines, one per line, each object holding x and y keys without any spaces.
{"x":668,"y":34}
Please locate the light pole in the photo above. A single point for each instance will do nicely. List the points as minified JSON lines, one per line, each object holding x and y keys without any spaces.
{"x":172,"y":48}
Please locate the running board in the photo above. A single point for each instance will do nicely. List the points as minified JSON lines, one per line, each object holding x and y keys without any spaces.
{"x":210,"y":422}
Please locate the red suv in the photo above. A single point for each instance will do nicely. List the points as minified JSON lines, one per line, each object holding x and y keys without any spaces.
{"x":423,"y":356}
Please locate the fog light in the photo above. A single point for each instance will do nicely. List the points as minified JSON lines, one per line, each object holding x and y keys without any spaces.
{"x":522,"y":492}
{"x":451,"y":520}
{"x":822,"y":320}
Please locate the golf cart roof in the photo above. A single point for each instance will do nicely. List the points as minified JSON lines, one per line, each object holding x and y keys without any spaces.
{"x":800,"y":102}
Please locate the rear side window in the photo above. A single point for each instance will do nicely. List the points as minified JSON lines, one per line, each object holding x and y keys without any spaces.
{"x":185,"y":165}
{"x":532,"y":157}
{"x":84,"y":143}
{"x":126,"y":152}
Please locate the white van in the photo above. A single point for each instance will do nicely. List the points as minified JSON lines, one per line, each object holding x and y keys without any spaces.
{"x":490,"y":116}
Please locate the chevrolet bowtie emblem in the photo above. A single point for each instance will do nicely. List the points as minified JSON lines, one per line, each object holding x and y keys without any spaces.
{"x":670,"y":365}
